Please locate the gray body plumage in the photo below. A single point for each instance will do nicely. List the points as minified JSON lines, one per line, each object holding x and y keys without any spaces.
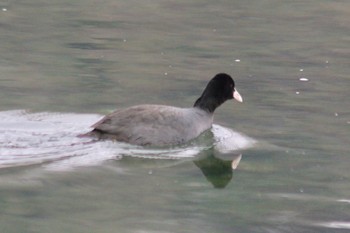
{"x":154,"y":125}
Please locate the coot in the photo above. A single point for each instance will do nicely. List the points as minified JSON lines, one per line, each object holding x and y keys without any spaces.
{"x":160,"y":125}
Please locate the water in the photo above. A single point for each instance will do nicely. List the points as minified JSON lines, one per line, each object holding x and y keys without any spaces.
{"x":67,"y":63}
{"x":52,"y":139}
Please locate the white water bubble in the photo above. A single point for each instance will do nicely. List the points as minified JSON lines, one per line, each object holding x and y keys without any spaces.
{"x":52,"y":139}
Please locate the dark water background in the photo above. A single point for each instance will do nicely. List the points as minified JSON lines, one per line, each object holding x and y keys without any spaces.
{"x":290,"y":61}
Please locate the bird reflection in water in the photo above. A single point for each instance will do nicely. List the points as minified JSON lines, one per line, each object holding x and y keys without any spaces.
{"x":217,"y":171}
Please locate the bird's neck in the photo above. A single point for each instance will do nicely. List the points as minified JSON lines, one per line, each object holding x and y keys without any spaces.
{"x":208,"y":104}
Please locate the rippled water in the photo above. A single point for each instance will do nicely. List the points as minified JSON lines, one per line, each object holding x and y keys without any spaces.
{"x":279,"y":162}
{"x":52,"y":140}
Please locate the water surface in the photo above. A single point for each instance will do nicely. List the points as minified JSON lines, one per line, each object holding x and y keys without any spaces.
{"x":67,"y":63}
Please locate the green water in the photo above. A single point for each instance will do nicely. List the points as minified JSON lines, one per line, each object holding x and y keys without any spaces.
{"x":92,"y":57}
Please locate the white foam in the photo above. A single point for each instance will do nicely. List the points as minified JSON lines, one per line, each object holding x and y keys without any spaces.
{"x":226,"y":140}
{"x":50,"y":139}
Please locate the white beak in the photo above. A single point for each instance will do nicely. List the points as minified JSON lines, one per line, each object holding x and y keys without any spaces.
{"x":237,"y":96}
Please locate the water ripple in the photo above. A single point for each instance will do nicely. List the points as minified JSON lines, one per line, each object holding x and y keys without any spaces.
{"x":51,"y":139}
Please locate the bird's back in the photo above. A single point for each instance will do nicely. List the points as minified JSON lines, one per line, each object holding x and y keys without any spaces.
{"x":154,"y":125}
